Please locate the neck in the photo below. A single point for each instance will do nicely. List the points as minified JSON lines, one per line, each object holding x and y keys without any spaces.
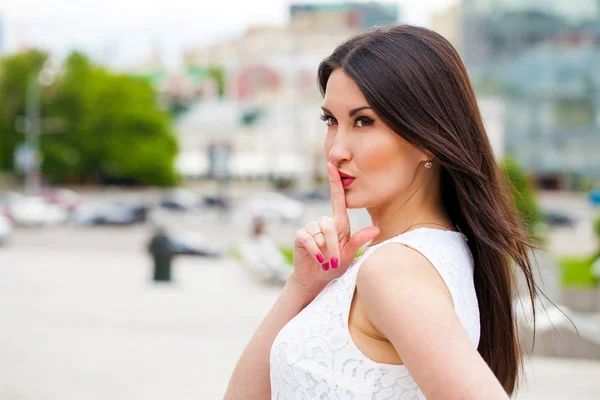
{"x":420,"y":207}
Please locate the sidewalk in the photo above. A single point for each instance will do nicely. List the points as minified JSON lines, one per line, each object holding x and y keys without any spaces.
{"x":88,"y":325}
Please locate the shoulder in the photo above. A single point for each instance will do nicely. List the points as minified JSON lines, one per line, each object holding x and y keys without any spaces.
{"x":394,"y":271}
{"x":405,"y":300}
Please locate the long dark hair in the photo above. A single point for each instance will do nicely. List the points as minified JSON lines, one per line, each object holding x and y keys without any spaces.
{"x":416,"y":82}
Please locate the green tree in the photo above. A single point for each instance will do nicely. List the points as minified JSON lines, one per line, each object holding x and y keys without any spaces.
{"x":110,"y":128}
{"x":15,"y":74}
{"x":218,"y":74}
{"x":523,"y":192}
{"x":597,"y":233}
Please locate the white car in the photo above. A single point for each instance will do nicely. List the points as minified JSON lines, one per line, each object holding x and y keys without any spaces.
{"x":195,"y":245}
{"x":276,"y":206}
{"x":65,"y":198}
{"x":35,"y":211}
{"x":179,"y":199}
{"x":5,"y":229}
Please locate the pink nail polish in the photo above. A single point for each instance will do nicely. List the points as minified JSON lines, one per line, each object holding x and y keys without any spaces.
{"x":334,"y":263}
{"x":320,"y":258}
{"x":325,"y":266}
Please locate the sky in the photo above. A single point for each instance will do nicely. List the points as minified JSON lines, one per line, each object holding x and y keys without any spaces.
{"x":121,"y":33}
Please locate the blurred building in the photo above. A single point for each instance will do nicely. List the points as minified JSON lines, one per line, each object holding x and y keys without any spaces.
{"x":333,"y":17}
{"x":448,"y":23}
{"x":271,"y":83}
{"x":542,"y":59}
{"x":553,"y":102}
{"x":499,"y":30}
{"x":178,"y":89}
{"x":313,"y":29}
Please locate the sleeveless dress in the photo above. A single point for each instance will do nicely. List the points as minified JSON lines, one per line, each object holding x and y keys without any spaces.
{"x":314,"y":356}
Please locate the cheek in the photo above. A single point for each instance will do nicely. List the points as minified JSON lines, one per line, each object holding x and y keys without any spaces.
{"x":391,"y":168}
{"x":380,"y":157}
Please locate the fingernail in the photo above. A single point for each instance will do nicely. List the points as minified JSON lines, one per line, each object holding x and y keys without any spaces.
{"x":334,"y":262}
{"x":320,"y":258}
{"x":325,"y":266}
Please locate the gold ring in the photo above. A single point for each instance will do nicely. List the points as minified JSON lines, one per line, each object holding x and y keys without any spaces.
{"x":315,"y":234}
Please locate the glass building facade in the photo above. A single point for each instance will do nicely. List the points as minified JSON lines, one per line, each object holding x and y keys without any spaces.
{"x":543,"y":59}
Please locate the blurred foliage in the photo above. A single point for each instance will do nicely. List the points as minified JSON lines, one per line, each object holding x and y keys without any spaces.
{"x":577,"y":272}
{"x":234,"y":252}
{"x":288,"y":254}
{"x":524,"y":194}
{"x":111,"y":127}
{"x":15,"y":73}
{"x":597,"y":233}
{"x":578,"y":182}
{"x":218,"y":74}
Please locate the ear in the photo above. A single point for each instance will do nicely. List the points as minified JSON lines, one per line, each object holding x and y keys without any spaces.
{"x":425,"y":156}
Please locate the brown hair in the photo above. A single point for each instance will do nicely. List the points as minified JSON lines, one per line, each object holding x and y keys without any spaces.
{"x":416,"y":82}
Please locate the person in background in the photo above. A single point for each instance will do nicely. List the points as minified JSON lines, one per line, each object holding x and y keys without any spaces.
{"x":160,"y":248}
{"x":260,"y":253}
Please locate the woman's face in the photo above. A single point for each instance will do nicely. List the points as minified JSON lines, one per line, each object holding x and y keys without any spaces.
{"x":384,"y":165}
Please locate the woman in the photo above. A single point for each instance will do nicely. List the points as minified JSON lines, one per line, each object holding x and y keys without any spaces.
{"x":426,"y":311}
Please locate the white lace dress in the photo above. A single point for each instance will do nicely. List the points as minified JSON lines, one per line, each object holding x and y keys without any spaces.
{"x":314,"y":356}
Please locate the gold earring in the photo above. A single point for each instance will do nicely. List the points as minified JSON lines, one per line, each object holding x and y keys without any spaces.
{"x":428,"y":164}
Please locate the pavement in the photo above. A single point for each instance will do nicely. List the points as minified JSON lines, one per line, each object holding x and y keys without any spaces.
{"x":85,"y":325}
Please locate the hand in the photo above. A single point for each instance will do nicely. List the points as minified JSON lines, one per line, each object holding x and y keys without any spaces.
{"x":322,"y":257}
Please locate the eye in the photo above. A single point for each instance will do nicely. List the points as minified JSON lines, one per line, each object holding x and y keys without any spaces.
{"x":328,"y":119}
{"x":361,"y":122}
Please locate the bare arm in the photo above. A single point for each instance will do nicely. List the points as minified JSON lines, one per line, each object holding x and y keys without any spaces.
{"x":251,"y":377}
{"x":313,"y":253}
{"x":419,"y":320}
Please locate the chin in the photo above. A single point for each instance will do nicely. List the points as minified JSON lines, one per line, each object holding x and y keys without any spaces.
{"x":353,"y":202}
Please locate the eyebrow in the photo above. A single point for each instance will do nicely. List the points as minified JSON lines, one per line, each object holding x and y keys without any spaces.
{"x":352,"y":112}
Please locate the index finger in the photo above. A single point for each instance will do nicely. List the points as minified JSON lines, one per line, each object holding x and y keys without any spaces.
{"x":338,"y":196}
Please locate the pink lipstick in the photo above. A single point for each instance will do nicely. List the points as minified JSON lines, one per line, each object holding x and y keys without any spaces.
{"x":346,"y":179}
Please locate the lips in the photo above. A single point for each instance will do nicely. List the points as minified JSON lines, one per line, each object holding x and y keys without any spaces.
{"x":346,"y":179}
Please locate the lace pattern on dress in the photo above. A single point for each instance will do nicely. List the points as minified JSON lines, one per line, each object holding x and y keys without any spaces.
{"x":314,"y":356}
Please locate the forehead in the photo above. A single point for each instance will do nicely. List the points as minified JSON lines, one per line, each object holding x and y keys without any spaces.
{"x":342,"y":92}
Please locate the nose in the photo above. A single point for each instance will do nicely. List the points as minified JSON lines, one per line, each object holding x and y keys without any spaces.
{"x":340,"y":150}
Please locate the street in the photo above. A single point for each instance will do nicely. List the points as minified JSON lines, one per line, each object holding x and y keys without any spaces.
{"x":86,"y":324}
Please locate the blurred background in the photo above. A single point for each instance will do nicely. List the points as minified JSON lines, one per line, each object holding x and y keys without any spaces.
{"x":157,"y":157}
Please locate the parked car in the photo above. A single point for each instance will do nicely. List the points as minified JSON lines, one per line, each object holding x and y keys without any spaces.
{"x":6,"y":199}
{"x":65,"y":198}
{"x":111,"y":214}
{"x":5,"y":229}
{"x":271,"y":205}
{"x":314,"y":195}
{"x":33,"y":211}
{"x":179,"y":200}
{"x":194,"y":245}
{"x":217,"y":201}
{"x":558,"y":218}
